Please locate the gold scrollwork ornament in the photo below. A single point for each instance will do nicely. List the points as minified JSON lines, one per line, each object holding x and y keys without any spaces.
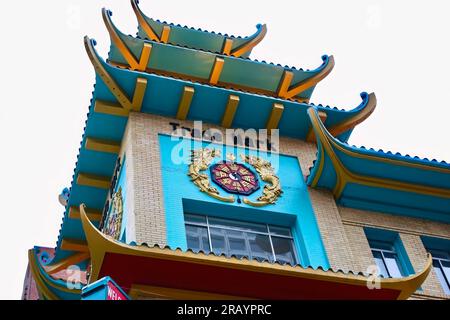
{"x":200,"y":161}
{"x":271,"y":192}
{"x":114,"y":222}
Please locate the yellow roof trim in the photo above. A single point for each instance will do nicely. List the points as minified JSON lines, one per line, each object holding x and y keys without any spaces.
{"x":99,"y":244}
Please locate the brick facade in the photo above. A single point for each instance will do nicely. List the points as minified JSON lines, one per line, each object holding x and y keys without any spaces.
{"x":341,"y":228}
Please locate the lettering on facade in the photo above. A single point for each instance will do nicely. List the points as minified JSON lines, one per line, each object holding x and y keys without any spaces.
{"x":238,"y":137}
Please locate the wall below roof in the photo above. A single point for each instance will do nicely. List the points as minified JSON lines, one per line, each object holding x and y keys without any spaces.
{"x":341,"y":229}
{"x":410,"y":231}
{"x":154,"y":200}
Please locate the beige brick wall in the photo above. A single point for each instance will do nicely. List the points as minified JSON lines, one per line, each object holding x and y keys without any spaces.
{"x":409,"y":229}
{"x":341,"y":228}
{"x":143,"y":159}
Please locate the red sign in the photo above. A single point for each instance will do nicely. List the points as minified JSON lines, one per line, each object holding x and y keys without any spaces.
{"x":114,"y":293}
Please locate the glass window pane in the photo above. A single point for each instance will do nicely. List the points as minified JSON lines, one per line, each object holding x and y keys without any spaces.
{"x":280,"y":231}
{"x":218,"y":242}
{"x":237,"y":244}
{"x":197,"y":238}
{"x":284,"y":250}
{"x":193,"y":218}
{"x":441,"y":277}
{"x":244,"y":226}
{"x":446,"y":270}
{"x":379,"y":261}
{"x":260,"y":247}
{"x":393,"y":265}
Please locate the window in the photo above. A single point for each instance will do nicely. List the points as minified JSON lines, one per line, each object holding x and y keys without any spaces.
{"x":440,"y":251}
{"x":241,"y":239}
{"x":386,"y":259}
{"x":441,"y":265}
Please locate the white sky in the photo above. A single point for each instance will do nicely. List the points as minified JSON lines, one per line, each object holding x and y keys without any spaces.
{"x":398,"y":49}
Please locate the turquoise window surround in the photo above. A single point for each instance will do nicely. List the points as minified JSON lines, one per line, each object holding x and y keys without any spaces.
{"x":293,"y":209}
{"x":392,"y":239}
{"x":440,"y":251}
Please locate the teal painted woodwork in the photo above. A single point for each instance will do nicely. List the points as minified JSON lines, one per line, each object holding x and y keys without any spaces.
{"x":103,"y":289}
{"x":386,"y":166}
{"x":394,"y":240}
{"x":434,"y":243}
{"x":196,"y":64}
{"x":293,"y":208}
{"x":196,"y":38}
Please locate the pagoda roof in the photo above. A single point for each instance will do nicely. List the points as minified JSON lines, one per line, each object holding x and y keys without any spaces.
{"x":54,"y":286}
{"x":120,"y":91}
{"x":212,"y":68}
{"x":153,"y":269}
{"x":184,"y":36}
{"x":380,"y":181}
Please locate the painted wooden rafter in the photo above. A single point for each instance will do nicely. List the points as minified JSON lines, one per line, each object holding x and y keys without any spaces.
{"x":287,"y":90}
{"x":152,"y":35}
{"x":127,"y":104}
{"x":134,"y":63}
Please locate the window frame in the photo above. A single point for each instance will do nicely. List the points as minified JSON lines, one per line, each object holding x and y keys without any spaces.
{"x":373,"y":247}
{"x":441,"y":267}
{"x":268,"y":233}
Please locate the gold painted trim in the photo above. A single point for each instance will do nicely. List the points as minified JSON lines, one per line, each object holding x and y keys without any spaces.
{"x":138,"y":291}
{"x":118,"y":93}
{"x":110,"y":108}
{"x":99,"y":244}
{"x":42,"y":282}
{"x":43,"y":290}
{"x":74,"y":245}
{"x":165,"y":34}
{"x":287,"y":90}
{"x":272,"y":191}
{"x":67,"y":262}
{"x":95,"y":181}
{"x":139,"y":93}
{"x":230,"y":111}
{"x":216,"y":70}
{"x":344,"y":175}
{"x":185,"y":103}
{"x":320,"y":168}
{"x":143,"y":22}
{"x":200,"y":161}
{"x":135,"y":103}
{"x":246,"y":47}
{"x":356,"y":119}
{"x":275,"y":116}
{"x":311,"y":136}
{"x":101,"y":145}
{"x":227,"y":45}
{"x":93,"y":214}
{"x":133,"y":62}
{"x":152,"y":35}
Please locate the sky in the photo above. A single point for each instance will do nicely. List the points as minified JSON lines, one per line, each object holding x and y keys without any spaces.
{"x":397,"y":49}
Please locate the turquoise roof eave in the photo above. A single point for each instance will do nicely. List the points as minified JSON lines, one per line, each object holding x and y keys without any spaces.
{"x":162,"y":98}
{"x":197,"y":65}
{"x":185,"y":36}
{"x":380,"y":181}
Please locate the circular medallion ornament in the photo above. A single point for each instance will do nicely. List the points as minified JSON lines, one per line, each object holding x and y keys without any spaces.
{"x":234,"y":178}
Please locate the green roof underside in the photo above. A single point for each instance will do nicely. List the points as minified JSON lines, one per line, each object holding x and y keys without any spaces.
{"x":244,"y":74}
{"x":385,"y":182}
{"x":162,"y":97}
{"x":194,"y":38}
